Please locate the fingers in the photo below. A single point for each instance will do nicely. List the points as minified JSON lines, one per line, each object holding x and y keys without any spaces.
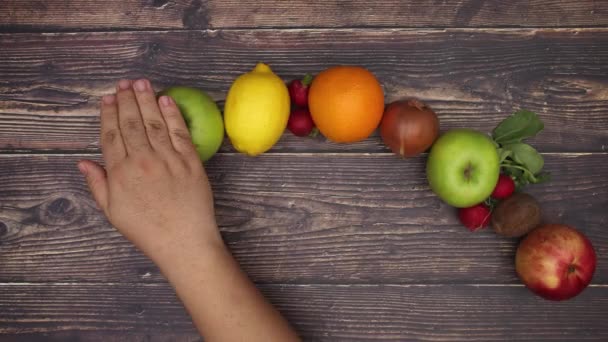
{"x":97,"y":181}
{"x":130,"y":120}
{"x":134,"y":122}
{"x":178,"y":131}
{"x":152,"y":118}
{"x":112,"y":145}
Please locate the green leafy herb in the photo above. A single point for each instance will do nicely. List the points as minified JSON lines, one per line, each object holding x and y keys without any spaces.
{"x":517,"y":159}
{"x":521,"y":125}
{"x":504,"y":154}
{"x":527,"y":156}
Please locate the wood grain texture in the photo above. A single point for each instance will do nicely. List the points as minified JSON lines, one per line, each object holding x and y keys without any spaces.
{"x":71,"y":334}
{"x":346,"y":240}
{"x":62,"y":15}
{"x":77,"y":15}
{"x":50,"y":83}
{"x":397,"y":13}
{"x":292,"y":218}
{"x":79,"y":312}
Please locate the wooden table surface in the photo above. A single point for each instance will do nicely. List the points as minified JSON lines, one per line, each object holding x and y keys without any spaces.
{"x":347,"y":240}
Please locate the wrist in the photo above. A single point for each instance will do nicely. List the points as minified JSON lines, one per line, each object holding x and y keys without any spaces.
{"x":181,"y":254}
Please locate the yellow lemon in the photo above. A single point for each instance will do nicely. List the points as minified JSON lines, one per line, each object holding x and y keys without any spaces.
{"x":256,"y":110}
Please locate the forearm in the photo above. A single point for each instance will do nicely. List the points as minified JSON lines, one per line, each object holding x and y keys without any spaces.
{"x":224,"y":304}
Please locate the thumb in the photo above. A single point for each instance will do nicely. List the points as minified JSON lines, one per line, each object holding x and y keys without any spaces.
{"x":97,"y":181}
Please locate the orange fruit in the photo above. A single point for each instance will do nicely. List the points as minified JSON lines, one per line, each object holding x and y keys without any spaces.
{"x":346,"y":103}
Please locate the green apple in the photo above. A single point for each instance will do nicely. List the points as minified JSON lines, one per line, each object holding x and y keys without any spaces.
{"x":463,"y":167}
{"x":203,"y":118}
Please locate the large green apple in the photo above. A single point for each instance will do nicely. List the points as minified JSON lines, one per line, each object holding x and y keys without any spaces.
{"x":463,"y":167}
{"x":203,"y":118}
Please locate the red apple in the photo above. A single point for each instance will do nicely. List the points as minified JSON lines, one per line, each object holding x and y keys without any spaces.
{"x":555,"y":261}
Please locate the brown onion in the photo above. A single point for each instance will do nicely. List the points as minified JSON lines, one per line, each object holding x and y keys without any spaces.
{"x":409,"y":127}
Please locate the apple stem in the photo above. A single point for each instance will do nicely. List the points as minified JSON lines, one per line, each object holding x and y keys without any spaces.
{"x":571,"y":269}
{"x":467,"y":171}
{"x":307,"y":80}
{"x":314,"y":132}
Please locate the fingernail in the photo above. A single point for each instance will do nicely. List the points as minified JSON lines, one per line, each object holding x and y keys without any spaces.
{"x":141,"y":85}
{"x":166,"y":100}
{"x":83,"y":168}
{"x":108,"y":99}
{"x":124,"y":84}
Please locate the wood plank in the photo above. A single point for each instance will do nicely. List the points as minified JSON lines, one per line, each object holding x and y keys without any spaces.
{"x":73,"y":335}
{"x":79,"y":15}
{"x":50,"y":83}
{"x":413,"y":13}
{"x":292,"y":218}
{"x":319,"y":313}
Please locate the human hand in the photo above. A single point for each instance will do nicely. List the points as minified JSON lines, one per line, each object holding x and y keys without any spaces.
{"x":153,"y":189}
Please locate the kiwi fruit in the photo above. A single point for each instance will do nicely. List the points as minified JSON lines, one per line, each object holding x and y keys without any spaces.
{"x":516,"y":215}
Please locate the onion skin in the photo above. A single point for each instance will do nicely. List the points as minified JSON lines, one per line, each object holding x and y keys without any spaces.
{"x":409,"y":127}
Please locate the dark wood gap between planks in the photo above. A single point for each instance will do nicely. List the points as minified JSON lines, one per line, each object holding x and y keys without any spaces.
{"x":327,"y":29}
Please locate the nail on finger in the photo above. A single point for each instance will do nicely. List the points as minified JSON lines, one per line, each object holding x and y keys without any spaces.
{"x":108,"y":99}
{"x":124,"y":84}
{"x":141,"y":85}
{"x":166,"y":101}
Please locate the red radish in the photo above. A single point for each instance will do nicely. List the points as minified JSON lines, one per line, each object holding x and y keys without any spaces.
{"x":300,"y":122}
{"x":475,"y":217}
{"x":298,"y":91}
{"x":504,"y":187}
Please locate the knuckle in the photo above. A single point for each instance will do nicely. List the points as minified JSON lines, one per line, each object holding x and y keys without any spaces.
{"x":145,"y":163}
{"x":110,"y":136}
{"x":182,"y":136}
{"x":191,"y":155}
{"x":148,"y":164}
{"x":189,"y":152}
{"x":162,"y":139}
{"x":155,"y":127}
{"x":132,"y":124}
{"x":180,"y":167}
{"x":172,"y":114}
